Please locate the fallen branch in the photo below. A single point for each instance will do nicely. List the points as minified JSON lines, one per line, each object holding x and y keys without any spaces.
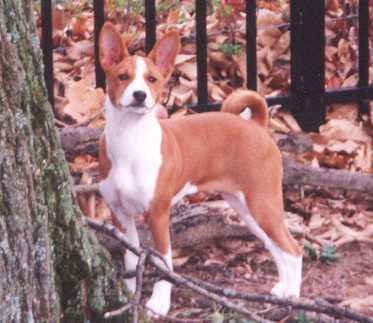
{"x":216,"y":293}
{"x":295,"y":173}
{"x":170,"y":275}
{"x":86,"y":188}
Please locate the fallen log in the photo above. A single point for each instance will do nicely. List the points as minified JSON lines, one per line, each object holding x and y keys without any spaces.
{"x":196,"y":225}
{"x":298,"y":174}
{"x":82,"y":140}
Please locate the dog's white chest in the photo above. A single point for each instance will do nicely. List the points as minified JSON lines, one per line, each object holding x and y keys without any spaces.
{"x":134,"y":148}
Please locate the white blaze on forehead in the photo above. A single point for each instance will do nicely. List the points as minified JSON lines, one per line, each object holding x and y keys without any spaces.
{"x":138,"y":84}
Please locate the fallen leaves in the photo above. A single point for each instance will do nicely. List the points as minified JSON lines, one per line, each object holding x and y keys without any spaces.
{"x":83,"y":100}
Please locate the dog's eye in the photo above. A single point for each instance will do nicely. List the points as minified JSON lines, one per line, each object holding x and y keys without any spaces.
{"x":152,"y":79}
{"x":123,"y":77}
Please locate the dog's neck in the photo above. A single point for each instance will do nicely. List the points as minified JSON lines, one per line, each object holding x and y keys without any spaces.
{"x":123,"y":120}
{"x":127,"y":131}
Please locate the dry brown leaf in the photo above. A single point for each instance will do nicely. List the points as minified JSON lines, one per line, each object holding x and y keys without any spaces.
{"x":182,"y":58}
{"x":79,"y":49}
{"x":363,"y":304}
{"x":342,"y":129}
{"x":348,"y":147}
{"x":278,"y":125}
{"x":289,"y":121}
{"x":347,"y":111}
{"x":83,"y":163}
{"x":79,"y":27}
{"x":83,"y":100}
{"x":102,"y":210}
{"x":188,"y":69}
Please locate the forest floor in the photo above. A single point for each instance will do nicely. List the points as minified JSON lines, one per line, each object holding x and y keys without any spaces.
{"x":336,"y":228}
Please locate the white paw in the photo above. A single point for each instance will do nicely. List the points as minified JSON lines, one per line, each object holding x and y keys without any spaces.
{"x":157,"y":307}
{"x":283,"y":291}
{"x":131,"y":284}
{"x":160,"y":302}
{"x":279,"y":290}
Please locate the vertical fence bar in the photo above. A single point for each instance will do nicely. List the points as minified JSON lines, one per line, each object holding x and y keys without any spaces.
{"x":363,"y":48}
{"x":201,"y":42}
{"x":308,"y":61}
{"x":150,"y":25}
{"x":251,"y":32}
{"x":47,"y":47}
{"x":99,"y":16}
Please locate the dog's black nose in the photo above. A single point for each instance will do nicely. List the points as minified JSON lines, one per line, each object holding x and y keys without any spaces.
{"x":139,"y":96}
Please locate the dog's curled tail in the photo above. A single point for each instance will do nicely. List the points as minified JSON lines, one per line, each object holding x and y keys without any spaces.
{"x":238,"y":100}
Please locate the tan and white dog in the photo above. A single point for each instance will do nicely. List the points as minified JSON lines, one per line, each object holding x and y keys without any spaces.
{"x":147,"y":164}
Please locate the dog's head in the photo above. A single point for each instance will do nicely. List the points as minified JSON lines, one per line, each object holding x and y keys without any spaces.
{"x":135,"y":83}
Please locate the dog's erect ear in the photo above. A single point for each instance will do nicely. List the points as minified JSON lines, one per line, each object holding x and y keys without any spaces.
{"x":111,"y":47}
{"x":165,"y":51}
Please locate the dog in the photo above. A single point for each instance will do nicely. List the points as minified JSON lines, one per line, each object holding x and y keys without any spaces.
{"x":147,"y":165}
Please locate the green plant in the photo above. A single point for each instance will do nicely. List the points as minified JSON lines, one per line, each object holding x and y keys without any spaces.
{"x":165,"y":5}
{"x":310,"y":252}
{"x":230,"y":49}
{"x":225,"y":10}
{"x":302,"y":317}
{"x":328,"y":254}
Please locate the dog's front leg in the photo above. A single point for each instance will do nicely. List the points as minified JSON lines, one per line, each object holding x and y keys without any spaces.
{"x":127,"y":223}
{"x":158,"y":220}
{"x":130,"y":259}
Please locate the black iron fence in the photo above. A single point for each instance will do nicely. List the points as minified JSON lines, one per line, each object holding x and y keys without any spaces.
{"x":307,"y":97}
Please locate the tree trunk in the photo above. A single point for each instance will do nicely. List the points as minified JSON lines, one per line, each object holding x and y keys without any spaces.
{"x":52,"y":269}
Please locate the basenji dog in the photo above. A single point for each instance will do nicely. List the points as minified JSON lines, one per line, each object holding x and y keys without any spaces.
{"x":147,"y":164}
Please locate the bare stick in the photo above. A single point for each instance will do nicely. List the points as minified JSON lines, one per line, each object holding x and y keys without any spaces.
{"x":117,"y":312}
{"x":86,"y":188}
{"x":175,"y":278}
{"x":211,"y":291}
{"x":135,"y":301}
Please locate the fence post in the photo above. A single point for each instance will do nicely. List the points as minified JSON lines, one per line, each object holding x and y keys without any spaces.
{"x":308,"y":61}
{"x":99,"y":17}
{"x":251,"y":32}
{"x":201,"y":40}
{"x":150,"y":25}
{"x":363,"y":49}
{"x":47,"y":47}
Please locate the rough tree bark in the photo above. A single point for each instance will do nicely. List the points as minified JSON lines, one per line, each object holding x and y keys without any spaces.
{"x":52,"y":268}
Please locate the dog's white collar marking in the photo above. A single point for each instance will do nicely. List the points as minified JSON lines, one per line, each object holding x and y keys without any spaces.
{"x":134,"y":148}
{"x":138,"y":84}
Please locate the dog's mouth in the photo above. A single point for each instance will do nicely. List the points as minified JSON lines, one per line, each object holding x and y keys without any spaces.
{"x":136,"y":108}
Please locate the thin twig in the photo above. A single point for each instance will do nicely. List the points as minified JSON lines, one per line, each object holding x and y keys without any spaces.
{"x":173,"y":277}
{"x":86,"y":188}
{"x":117,"y":312}
{"x":139,"y":277}
{"x":60,"y":123}
{"x":213,"y":292}
{"x":317,"y":305}
{"x":135,"y":301}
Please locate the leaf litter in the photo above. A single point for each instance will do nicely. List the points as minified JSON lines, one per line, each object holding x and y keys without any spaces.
{"x":321,"y":217}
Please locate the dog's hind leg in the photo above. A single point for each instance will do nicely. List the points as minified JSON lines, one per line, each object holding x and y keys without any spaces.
{"x":268,"y":225}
